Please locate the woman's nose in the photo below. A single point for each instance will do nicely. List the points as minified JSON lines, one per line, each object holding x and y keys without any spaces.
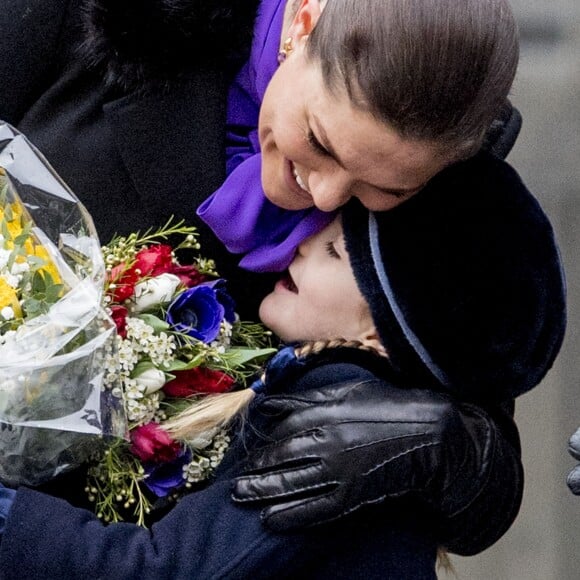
{"x":329,"y":191}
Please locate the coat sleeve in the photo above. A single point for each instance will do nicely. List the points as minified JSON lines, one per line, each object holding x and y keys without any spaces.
{"x":29,"y":42}
{"x":204,"y":536}
{"x":495,"y":506}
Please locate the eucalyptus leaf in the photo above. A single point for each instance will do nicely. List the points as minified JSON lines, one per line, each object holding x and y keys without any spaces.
{"x":38,"y":284}
{"x":48,"y":279}
{"x":54,"y":292}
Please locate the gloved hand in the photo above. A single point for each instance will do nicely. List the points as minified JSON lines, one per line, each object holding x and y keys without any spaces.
{"x":6,"y":499}
{"x":340,"y":448}
{"x":573,"y":479}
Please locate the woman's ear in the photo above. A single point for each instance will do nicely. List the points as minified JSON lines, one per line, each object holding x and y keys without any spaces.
{"x":305,"y":19}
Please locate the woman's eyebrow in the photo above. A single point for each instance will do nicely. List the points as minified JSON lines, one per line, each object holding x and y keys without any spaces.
{"x":399,"y":192}
{"x":324,"y":141}
{"x":322,"y":137}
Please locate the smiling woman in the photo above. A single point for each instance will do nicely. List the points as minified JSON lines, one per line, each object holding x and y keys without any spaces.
{"x":319,"y":150}
{"x":334,"y":119}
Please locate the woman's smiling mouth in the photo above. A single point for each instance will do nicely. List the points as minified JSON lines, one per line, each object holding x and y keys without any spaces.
{"x":296,"y":183}
{"x":299,"y":179}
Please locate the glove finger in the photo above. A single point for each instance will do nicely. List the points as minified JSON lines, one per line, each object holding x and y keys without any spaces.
{"x":303,"y":513}
{"x":366,"y":445}
{"x":281,"y":485}
{"x":276,"y":404}
{"x":574,"y":445}
{"x":302,"y":448}
{"x":573,"y":480}
{"x":391,"y":411}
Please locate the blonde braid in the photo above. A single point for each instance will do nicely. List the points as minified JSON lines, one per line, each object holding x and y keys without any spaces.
{"x":216,"y":411}
{"x":315,"y":347}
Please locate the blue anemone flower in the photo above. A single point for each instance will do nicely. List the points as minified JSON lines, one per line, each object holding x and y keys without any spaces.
{"x":199,"y":311}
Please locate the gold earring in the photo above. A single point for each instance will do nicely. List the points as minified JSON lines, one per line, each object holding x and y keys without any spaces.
{"x":286,"y":50}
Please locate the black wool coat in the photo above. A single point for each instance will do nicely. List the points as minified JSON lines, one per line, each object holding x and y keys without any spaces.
{"x":127,"y":102}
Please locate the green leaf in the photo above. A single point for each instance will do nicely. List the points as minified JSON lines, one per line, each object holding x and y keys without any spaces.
{"x":53,"y":293}
{"x":5,"y":231}
{"x":180,"y":365}
{"x":48,"y":279}
{"x":155,"y":322}
{"x":38,"y":284}
{"x":141,"y":367}
{"x":33,"y":307}
{"x":21,"y":238}
{"x":4,"y":190}
{"x":238,"y":357}
{"x":35,"y":262}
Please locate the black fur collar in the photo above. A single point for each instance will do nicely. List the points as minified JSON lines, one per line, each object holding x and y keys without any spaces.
{"x":137,"y":42}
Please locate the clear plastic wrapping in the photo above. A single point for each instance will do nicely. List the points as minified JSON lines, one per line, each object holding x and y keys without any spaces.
{"x":54,"y":330}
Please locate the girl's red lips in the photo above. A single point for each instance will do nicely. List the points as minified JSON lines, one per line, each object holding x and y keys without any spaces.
{"x":287,"y":283}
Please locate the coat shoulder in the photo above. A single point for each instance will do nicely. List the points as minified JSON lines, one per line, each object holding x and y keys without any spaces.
{"x":135,"y":43}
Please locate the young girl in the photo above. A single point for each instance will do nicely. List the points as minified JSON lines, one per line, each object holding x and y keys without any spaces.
{"x":366,"y":99}
{"x":487,"y":324}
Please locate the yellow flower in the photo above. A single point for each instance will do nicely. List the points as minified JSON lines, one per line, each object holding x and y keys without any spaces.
{"x":9,"y":298}
{"x":13,"y":220}
{"x":15,"y":228}
{"x":49,"y":268}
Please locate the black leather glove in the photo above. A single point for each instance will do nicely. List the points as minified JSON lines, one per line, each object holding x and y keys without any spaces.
{"x":573,"y":480}
{"x":340,"y":448}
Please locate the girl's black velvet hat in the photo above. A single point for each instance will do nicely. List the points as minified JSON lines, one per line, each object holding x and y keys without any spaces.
{"x":464,"y":281}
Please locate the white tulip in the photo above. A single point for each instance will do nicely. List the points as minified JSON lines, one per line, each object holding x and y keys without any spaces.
{"x":150,"y":380}
{"x":154,"y":291}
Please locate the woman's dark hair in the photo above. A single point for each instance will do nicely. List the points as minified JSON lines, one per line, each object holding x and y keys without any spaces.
{"x":435,"y":70}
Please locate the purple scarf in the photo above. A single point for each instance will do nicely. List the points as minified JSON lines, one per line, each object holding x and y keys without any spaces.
{"x":238,"y":212}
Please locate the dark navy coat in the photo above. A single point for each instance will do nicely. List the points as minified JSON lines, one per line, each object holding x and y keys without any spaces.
{"x":206,"y":535}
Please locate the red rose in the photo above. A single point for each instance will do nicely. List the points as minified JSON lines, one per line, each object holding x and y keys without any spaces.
{"x":149,"y":262}
{"x":119,"y":316}
{"x":196,"y":381}
{"x":153,"y":261}
{"x":122,"y":282}
{"x":152,"y":443}
{"x":189,"y":275}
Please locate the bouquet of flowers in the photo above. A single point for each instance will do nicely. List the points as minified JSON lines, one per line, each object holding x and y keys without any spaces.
{"x":98,"y":346}
{"x":54,"y":331}
{"x":178,"y":339}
